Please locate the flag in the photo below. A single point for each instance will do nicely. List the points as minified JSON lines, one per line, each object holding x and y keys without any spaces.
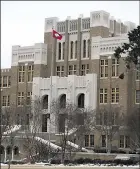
{"x":121,"y":76}
{"x":56,"y":35}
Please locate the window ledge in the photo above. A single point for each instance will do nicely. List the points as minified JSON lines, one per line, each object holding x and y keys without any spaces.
{"x":103,"y":103}
{"x":59,"y":60}
{"x":103,"y":77}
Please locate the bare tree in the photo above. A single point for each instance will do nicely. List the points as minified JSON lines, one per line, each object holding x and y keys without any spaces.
{"x":133,"y":125}
{"x":9,"y":129}
{"x":31,"y":116}
{"x":71,"y":119}
{"x":110,"y":121}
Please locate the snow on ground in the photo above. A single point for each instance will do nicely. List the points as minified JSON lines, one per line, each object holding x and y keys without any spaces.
{"x":54,"y":146}
{"x":72,"y":131}
{"x":13,"y":129}
{"x":89,"y":166}
{"x":77,"y":146}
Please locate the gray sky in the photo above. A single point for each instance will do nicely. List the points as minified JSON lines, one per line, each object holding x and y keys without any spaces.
{"x":22,"y":22}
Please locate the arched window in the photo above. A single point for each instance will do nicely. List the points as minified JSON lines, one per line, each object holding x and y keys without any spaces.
{"x":45,"y":102}
{"x":1,"y":150}
{"x":8,"y":150}
{"x":63,"y":101}
{"x":84,"y":48}
{"x":16,"y":150}
{"x":59,"y":51}
{"x":71,"y":50}
{"x":81,"y":100}
{"x":75,"y":49}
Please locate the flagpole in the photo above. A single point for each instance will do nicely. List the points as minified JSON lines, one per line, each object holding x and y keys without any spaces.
{"x":51,"y":93}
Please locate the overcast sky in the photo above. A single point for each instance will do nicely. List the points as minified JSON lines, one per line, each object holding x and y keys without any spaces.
{"x":22,"y":22}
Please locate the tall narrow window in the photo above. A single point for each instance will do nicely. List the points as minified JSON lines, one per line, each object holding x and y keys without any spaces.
{"x":29,"y":95}
{"x":72,"y":69}
{"x":103,"y":140}
{"x":20,"y":98}
{"x":81,"y":101}
{"x":138,"y":72}
{"x":6,"y":101}
{"x":21,"y":73}
{"x":86,"y":140}
{"x":59,"y":51}
{"x":88,"y":48}
{"x":60,"y":71}
{"x":5,"y":81}
{"x":103,"y":95}
{"x":75,"y":49}
{"x":104,"y":68}
{"x":44,"y":123}
{"x":71,"y":50}
{"x":30,"y":73}
{"x":9,"y":81}
{"x":115,"y":67}
{"x":63,"y":50}
{"x":115,"y":95}
{"x":137,"y":96}
{"x":84,"y":69}
{"x":84,"y":48}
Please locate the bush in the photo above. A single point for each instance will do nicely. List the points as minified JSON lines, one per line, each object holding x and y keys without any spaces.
{"x":55,"y":161}
{"x":79,"y":161}
{"x":124,"y":162}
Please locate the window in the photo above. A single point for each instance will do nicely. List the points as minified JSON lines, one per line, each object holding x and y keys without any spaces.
{"x":20,"y":98}
{"x":60,"y":71}
{"x":124,"y":141}
{"x":45,"y":102}
{"x":44,"y":123}
{"x":6,"y":101}
{"x":137,"y":96}
{"x":71,"y":50}
{"x":21,"y":74}
{"x":63,"y":50}
{"x":103,"y":140}
{"x":84,"y":48}
{"x":30,"y":73}
{"x":121,"y":141}
{"x":138,"y":72}
{"x":29,"y":95}
{"x":16,"y":150}
{"x":5,"y":81}
{"x":115,"y":67}
{"x":59,"y":51}
{"x":86,"y":140}
{"x":103,"y":95}
{"x":72,"y":69}
{"x":75,"y":49}
{"x":9,"y":81}
{"x":104,"y":68}
{"x":27,"y":119}
{"x":8,"y":150}
{"x":0,"y":81}
{"x":85,"y":69}
{"x":88,"y":48}
{"x":1,"y":149}
{"x":63,"y":101}
{"x":127,"y":141}
{"x":91,"y":140}
{"x":115,"y":95}
{"x":81,"y":100}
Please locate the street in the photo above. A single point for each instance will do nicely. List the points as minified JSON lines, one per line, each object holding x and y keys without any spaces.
{"x":62,"y":167}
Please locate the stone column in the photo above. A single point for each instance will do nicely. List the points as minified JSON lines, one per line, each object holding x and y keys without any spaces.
{"x":5,"y":155}
{"x":12,"y":154}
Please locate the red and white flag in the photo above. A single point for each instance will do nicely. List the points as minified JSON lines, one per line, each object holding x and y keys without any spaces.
{"x":56,"y":35}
